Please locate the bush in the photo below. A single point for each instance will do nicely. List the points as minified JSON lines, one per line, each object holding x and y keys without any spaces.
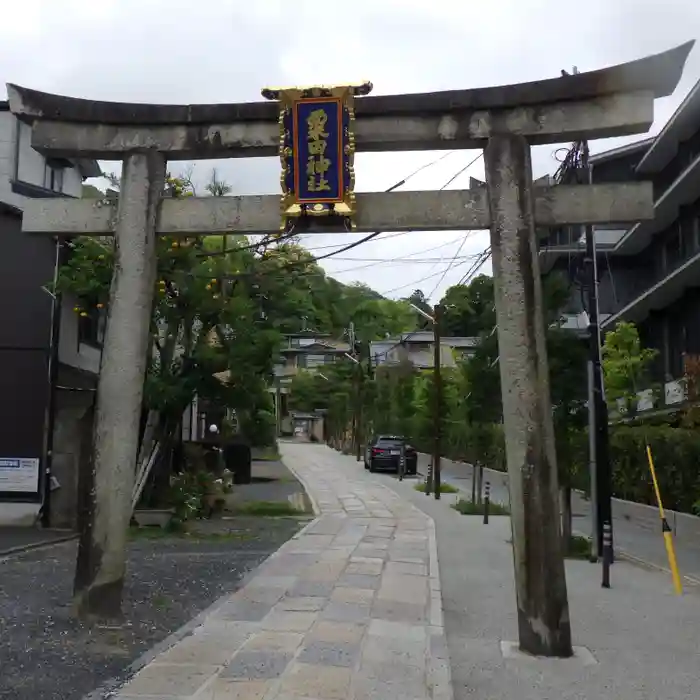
{"x":676,"y":455}
{"x":468,"y":508}
{"x":259,"y":427}
{"x":444,"y":488}
{"x":675,"y":450}
{"x":188,"y":492}
{"x":478,"y":443}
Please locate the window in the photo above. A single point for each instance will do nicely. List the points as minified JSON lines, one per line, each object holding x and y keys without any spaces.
{"x":315,"y":360}
{"x":53,"y":178}
{"x":91,"y":328}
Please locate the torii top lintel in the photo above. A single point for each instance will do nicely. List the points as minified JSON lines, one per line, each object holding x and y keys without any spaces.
{"x":74,"y":126}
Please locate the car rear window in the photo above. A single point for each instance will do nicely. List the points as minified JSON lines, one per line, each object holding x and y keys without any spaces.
{"x":390,"y":441}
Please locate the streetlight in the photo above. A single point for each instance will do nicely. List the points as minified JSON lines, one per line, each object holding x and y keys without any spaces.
{"x":433,"y":480}
{"x":424,"y":314}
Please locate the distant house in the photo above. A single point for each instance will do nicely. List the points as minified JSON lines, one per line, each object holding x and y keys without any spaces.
{"x":26,"y":268}
{"x":418,"y":348}
{"x":306,"y":351}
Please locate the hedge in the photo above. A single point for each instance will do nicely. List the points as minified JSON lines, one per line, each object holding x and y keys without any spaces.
{"x":676,"y":454}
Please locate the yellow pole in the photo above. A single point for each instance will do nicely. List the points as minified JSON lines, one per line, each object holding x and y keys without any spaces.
{"x":666,"y":530}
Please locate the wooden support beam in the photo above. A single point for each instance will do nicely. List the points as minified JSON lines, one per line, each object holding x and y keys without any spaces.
{"x":448,"y":210}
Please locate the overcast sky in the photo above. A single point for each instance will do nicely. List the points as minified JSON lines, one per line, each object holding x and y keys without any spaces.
{"x":227,"y":50}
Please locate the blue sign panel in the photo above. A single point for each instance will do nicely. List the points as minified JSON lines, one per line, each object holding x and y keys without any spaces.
{"x":317,"y":148}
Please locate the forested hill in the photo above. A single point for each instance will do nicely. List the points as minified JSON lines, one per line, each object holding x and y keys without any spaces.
{"x":315,"y":301}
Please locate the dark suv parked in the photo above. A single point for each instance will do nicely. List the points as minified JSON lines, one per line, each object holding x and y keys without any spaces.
{"x":383,"y":453}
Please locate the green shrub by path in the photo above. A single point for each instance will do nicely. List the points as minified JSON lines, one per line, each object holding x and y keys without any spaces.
{"x":266,"y":454}
{"x":468,"y":508}
{"x":579,"y":548}
{"x":444,"y":488}
{"x":266,"y":508}
{"x":675,"y":450}
{"x":676,"y":454}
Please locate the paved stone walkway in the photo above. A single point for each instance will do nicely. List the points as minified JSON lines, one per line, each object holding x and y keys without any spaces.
{"x":348,"y":609}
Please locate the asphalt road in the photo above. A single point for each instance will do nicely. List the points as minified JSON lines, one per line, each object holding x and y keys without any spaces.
{"x":636,"y":530}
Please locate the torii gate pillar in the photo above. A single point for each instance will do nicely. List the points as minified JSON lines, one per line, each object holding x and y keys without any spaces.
{"x":543,"y":613}
{"x":98,"y":587}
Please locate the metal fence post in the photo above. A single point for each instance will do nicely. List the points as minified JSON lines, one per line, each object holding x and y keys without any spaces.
{"x":487,"y":501}
{"x":607,"y":553}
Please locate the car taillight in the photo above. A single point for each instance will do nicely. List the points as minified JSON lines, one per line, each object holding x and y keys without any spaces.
{"x":377,"y":451}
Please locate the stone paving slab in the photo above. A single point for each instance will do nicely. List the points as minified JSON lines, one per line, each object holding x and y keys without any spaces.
{"x":350,"y":609}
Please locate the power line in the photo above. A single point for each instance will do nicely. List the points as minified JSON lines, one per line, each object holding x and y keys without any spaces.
{"x":443,"y":273}
{"x":398,"y":261}
{"x":340,"y":245}
{"x":403,"y":258}
{"x":465,"y":168}
{"x":371,"y":236}
{"x":478,"y":264}
{"x":276,"y":238}
{"x":455,"y":257}
{"x":414,"y":282}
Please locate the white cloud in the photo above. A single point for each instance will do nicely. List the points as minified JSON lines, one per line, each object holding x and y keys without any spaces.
{"x":227,"y":50}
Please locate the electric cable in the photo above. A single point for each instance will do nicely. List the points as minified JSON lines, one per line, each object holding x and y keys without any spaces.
{"x":414,"y":282}
{"x":451,"y":265}
{"x":286,"y":236}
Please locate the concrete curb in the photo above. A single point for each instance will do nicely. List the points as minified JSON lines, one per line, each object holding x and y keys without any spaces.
{"x":642,"y":563}
{"x":42,"y":544}
{"x":439,"y":668}
{"x":305,"y":485}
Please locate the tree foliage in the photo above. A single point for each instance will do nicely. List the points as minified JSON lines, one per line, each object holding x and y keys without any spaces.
{"x":221,"y":306}
{"x":626,"y":365}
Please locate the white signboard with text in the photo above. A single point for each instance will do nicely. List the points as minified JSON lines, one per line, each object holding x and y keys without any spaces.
{"x":19,"y":475}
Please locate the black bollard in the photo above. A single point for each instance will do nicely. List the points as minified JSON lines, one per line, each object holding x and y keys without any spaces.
{"x":607,"y":554}
{"x":487,"y":501}
{"x":402,"y":462}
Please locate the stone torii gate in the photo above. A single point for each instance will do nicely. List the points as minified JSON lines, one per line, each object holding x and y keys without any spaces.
{"x":504,"y":121}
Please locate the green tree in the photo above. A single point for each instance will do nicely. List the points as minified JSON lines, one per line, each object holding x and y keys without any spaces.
{"x":626,"y":366}
{"x":210,"y":334}
{"x":469,"y":309}
{"x":418,"y":299}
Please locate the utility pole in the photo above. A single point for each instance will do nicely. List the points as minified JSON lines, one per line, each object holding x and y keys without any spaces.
{"x":278,"y":406}
{"x":601,"y":477}
{"x":599,"y":458}
{"x":359,"y":434}
{"x":369,"y":423}
{"x":50,"y":418}
{"x":356,"y":381}
{"x":437,"y":390}
{"x":432,"y":481}
{"x":544,"y":628}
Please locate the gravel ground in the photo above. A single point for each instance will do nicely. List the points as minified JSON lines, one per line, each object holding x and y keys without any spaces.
{"x":45,"y":654}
